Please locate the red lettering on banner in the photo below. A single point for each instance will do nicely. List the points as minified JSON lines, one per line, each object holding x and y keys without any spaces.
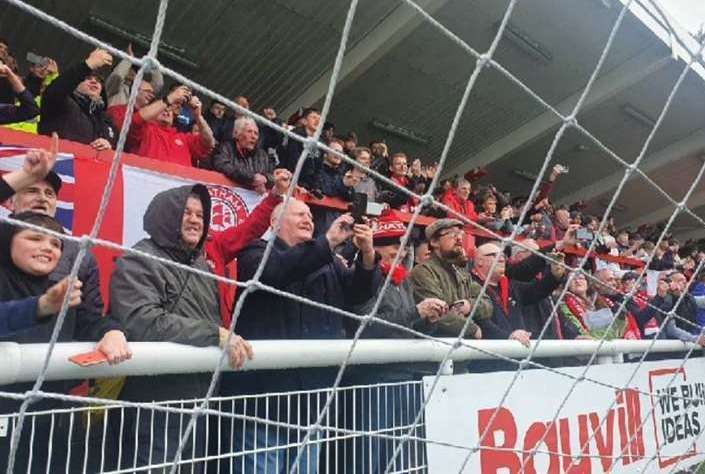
{"x":622,"y":423}
{"x":499,"y":449}
{"x":492,"y":459}
{"x":582,"y":464}
{"x":636,"y":430}
{"x":603,"y":438}
{"x":534,"y":434}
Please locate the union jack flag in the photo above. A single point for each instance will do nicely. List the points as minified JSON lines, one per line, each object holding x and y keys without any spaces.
{"x":12,"y":157}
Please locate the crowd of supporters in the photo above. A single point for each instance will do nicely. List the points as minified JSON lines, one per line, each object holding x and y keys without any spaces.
{"x":328,"y":256}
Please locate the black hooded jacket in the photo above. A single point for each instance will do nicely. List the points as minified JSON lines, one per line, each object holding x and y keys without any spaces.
{"x":71,"y":117}
{"x":159,"y":302}
{"x":14,"y":285}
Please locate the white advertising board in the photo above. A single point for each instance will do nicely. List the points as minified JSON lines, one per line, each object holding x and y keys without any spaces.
{"x":669,"y":399}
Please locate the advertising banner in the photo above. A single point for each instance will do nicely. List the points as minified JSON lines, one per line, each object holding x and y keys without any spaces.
{"x":599,"y":429}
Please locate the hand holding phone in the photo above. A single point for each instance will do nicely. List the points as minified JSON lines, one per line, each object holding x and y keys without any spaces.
{"x":88,"y":359}
{"x":358,"y":208}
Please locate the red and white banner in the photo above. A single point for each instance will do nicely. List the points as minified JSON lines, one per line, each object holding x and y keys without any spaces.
{"x":463,"y":407}
{"x":84,"y":173}
{"x":230,"y":204}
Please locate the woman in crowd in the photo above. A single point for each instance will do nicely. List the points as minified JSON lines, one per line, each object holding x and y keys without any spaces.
{"x":585,"y":314}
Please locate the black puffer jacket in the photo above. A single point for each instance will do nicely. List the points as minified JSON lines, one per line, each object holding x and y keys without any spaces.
{"x":242,"y":168}
{"x":74,"y":118}
{"x":157,"y":302}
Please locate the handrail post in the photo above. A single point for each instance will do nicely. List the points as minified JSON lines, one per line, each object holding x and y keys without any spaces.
{"x":447,"y":367}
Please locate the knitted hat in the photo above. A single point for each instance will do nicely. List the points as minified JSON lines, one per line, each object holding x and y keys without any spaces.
{"x":389,"y":229}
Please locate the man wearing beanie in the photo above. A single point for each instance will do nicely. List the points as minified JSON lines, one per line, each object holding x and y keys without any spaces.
{"x":397,"y":305}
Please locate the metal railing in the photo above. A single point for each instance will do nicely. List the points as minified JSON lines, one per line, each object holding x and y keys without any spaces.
{"x":22,"y":362}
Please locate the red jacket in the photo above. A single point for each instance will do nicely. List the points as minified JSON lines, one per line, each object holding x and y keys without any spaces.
{"x":466,"y":208}
{"x":160,"y":143}
{"x":222,"y":247}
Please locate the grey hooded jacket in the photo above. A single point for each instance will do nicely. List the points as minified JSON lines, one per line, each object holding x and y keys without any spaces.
{"x":158,"y":302}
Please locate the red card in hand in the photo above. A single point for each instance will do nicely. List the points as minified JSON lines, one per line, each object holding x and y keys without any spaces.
{"x":89,"y":358}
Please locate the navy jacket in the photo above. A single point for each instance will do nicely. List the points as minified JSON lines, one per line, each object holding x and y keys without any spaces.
{"x":289,"y":154}
{"x":310,"y":270}
{"x":17,"y":314}
{"x":521,"y":296}
{"x":11,"y":113}
{"x":330,"y":182}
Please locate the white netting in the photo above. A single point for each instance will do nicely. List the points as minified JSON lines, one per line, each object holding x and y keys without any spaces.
{"x":319,"y":430}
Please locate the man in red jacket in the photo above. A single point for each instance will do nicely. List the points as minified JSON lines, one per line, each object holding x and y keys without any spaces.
{"x":458,"y":199}
{"x":152,"y":132}
{"x":221,"y":247}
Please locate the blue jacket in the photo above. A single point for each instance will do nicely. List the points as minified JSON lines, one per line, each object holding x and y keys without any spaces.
{"x":309,"y":270}
{"x":330,"y":182}
{"x":699,"y":290}
{"x":17,"y":314}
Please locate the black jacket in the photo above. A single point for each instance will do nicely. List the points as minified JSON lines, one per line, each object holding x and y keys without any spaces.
{"x":90,"y":323}
{"x":72,"y":118}
{"x":157,"y":302}
{"x":521,"y":295}
{"x":242,"y":168}
{"x":289,"y":154}
{"x":6,"y":191}
{"x":222,"y":128}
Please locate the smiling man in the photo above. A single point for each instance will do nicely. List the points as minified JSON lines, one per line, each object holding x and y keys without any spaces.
{"x":74,"y":104}
{"x":159,"y":302}
{"x":307,"y":267}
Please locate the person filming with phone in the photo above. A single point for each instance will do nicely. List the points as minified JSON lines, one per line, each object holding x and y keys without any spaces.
{"x":510,"y":298}
{"x":308,"y":267}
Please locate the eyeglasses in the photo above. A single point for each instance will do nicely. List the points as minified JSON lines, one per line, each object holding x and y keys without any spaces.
{"x":453,"y":233}
{"x":492,"y":254}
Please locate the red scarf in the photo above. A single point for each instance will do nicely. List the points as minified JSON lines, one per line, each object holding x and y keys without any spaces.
{"x":631,"y":330}
{"x":576,"y":307}
{"x":503,"y":294}
{"x":398,"y":274}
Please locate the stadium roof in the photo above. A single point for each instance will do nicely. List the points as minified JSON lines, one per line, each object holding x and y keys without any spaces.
{"x":401,"y":72}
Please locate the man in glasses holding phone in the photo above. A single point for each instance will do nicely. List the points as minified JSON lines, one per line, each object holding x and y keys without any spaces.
{"x":444,"y":277}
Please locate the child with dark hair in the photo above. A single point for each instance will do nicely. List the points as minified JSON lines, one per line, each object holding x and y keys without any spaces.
{"x":28,"y":257}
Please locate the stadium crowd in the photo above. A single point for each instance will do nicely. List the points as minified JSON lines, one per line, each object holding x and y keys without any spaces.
{"x":328,"y":256}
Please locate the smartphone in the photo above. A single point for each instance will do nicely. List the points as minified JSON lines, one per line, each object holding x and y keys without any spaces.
{"x":88,"y":359}
{"x":37,"y":60}
{"x":584,"y":234}
{"x":358,"y":208}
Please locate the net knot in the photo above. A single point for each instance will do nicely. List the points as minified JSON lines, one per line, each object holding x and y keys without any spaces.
{"x":483,"y":60}
{"x":150,"y":64}
{"x":571,"y":121}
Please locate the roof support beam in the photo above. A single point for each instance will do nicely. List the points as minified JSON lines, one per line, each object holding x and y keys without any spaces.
{"x":359,"y":58}
{"x":690,"y":145}
{"x":696,"y":200}
{"x":610,"y":84}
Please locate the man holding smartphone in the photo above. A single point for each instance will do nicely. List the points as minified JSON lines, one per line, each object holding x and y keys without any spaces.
{"x":444,"y":277}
